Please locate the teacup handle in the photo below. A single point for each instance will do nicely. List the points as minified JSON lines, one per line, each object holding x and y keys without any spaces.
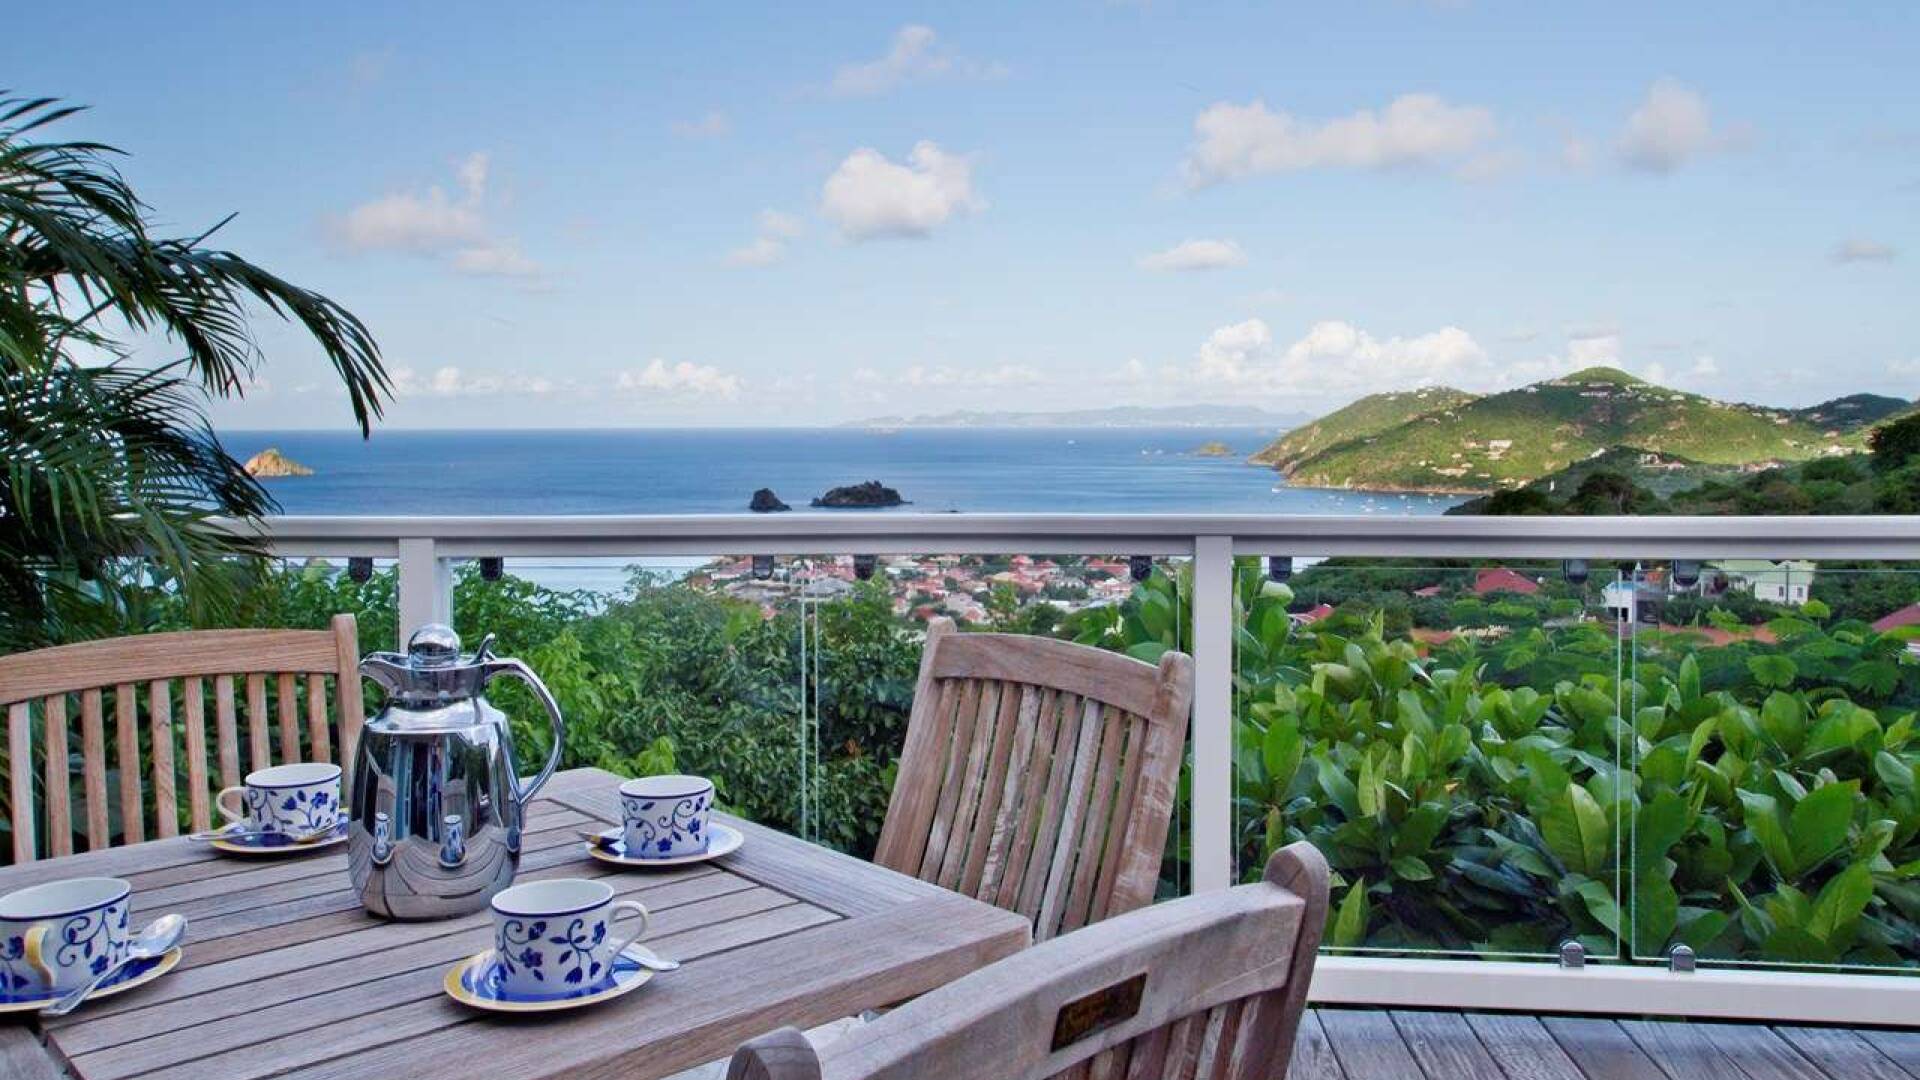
{"x":36,"y":938}
{"x":628,"y":907}
{"x":235,"y":816}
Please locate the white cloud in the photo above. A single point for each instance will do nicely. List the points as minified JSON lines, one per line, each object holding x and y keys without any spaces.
{"x":1196,"y":255}
{"x":785,"y":226}
{"x":870,"y":197}
{"x":1672,"y":125}
{"x":922,"y":376}
{"x":502,"y":259}
{"x":1862,"y":250}
{"x":1332,"y":357}
{"x":1233,"y":141}
{"x":682,"y":379}
{"x":438,"y":223}
{"x":776,"y":230}
{"x":1593,"y":350}
{"x":1702,"y":370}
{"x":914,"y":54}
{"x":764,"y":251}
{"x":713,"y":125}
{"x":451,"y":381}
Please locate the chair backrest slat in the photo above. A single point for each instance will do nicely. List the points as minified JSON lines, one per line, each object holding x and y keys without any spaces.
{"x":193,"y":700}
{"x":126,"y":739}
{"x":1209,"y":987}
{"x":258,"y":754}
{"x":289,"y":709}
{"x":1033,"y":774}
{"x":20,"y":783}
{"x":226,"y":730}
{"x":141,"y":673}
{"x":93,"y":752}
{"x":317,"y":733}
{"x":59,"y":798}
{"x":166,"y":798}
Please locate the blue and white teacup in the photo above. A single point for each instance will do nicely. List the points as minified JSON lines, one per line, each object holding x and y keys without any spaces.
{"x":665,"y":817}
{"x":292,"y":800}
{"x":57,"y":936}
{"x":554,"y":937}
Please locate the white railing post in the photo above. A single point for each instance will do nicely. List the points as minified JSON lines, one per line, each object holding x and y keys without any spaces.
{"x":1212,"y":787}
{"x":425,"y":587}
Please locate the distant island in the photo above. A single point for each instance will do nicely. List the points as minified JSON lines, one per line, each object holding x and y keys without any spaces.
{"x":870,"y":495}
{"x":1443,"y":440}
{"x":1117,"y":416}
{"x":271,"y":463}
{"x":1214,"y":448}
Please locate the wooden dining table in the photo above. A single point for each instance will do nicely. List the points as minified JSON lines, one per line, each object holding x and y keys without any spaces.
{"x":284,"y":974}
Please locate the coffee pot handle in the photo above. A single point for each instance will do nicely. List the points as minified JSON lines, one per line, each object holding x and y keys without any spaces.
{"x":525,"y":674}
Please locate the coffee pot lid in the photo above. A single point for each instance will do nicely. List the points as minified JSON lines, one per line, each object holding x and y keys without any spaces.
{"x":432,"y":670}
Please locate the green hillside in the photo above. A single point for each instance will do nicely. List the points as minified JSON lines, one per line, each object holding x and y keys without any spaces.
{"x":1505,"y":440}
{"x":1363,"y":419}
{"x":1853,"y":412}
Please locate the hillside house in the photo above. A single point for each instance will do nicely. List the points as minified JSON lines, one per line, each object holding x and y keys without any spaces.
{"x":1788,"y":582}
{"x":1495,"y":579}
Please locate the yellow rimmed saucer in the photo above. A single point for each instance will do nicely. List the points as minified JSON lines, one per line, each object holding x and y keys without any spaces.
{"x":475,"y":982}
{"x":275,"y":846}
{"x":610,"y":848}
{"x":137,"y":973}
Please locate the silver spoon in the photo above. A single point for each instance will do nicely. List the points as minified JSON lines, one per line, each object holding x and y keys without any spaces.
{"x":651,"y":962}
{"x":159,"y":936}
{"x":249,"y":834}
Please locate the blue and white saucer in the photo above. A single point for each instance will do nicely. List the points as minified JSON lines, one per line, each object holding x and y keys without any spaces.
{"x":136,"y":973}
{"x":273,"y":844}
{"x":476,"y":982}
{"x":610,"y":848}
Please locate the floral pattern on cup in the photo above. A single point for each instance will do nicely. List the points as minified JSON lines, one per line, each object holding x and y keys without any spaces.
{"x":56,"y":936}
{"x":555,"y":937}
{"x":292,"y":800}
{"x":665,"y":817}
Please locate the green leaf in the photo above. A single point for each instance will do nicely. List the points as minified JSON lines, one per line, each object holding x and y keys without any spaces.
{"x":1897,"y":775}
{"x":1453,"y":745}
{"x":1819,"y":823}
{"x":1575,"y":829}
{"x":1408,"y":868}
{"x":1416,"y":834}
{"x":1772,"y":670}
{"x":1339,"y":790}
{"x":1658,"y":827}
{"x":1150,"y":651}
{"x":1656,"y":907}
{"x":1838,"y":907}
{"x":1282,"y":750}
{"x":1600,"y":904}
{"x":1763,"y":820}
{"x":1350,"y":922}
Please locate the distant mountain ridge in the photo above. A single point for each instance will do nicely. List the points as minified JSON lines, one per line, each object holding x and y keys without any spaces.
{"x":1449,"y":441}
{"x":1117,"y":416}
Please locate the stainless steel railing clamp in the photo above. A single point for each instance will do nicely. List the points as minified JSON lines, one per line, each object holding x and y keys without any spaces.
{"x":1573,"y":955}
{"x":1680,"y":960}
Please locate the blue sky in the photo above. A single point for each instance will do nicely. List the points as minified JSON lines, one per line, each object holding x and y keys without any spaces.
{"x":622,"y":215}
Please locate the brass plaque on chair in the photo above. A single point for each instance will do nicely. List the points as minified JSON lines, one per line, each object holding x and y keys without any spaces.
{"x":1098,"y":1011}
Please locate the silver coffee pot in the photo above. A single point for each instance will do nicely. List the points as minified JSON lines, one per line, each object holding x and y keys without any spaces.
{"x":437,"y":804}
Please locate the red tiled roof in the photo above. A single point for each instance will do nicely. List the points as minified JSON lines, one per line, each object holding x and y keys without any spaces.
{"x":1501,"y":579}
{"x":1316,"y":613}
{"x":1906,"y":616}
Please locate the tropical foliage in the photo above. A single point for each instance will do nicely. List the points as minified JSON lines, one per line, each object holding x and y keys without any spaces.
{"x":109,"y":456}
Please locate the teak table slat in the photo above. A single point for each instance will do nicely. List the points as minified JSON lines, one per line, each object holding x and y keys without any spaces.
{"x":285,"y":975}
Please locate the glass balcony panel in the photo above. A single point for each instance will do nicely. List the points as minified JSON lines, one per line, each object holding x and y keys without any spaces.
{"x":1446,"y":733}
{"x":858,"y":646}
{"x":1776,"y":816}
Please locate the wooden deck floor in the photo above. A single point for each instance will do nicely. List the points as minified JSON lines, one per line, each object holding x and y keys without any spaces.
{"x":1375,"y":1044}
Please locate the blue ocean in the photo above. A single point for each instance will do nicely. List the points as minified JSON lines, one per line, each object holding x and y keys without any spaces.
{"x":712,"y":471}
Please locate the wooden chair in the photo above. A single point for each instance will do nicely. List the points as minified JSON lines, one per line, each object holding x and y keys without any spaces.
{"x":1038,"y":775}
{"x":158,"y":670}
{"x":1211,"y":986}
